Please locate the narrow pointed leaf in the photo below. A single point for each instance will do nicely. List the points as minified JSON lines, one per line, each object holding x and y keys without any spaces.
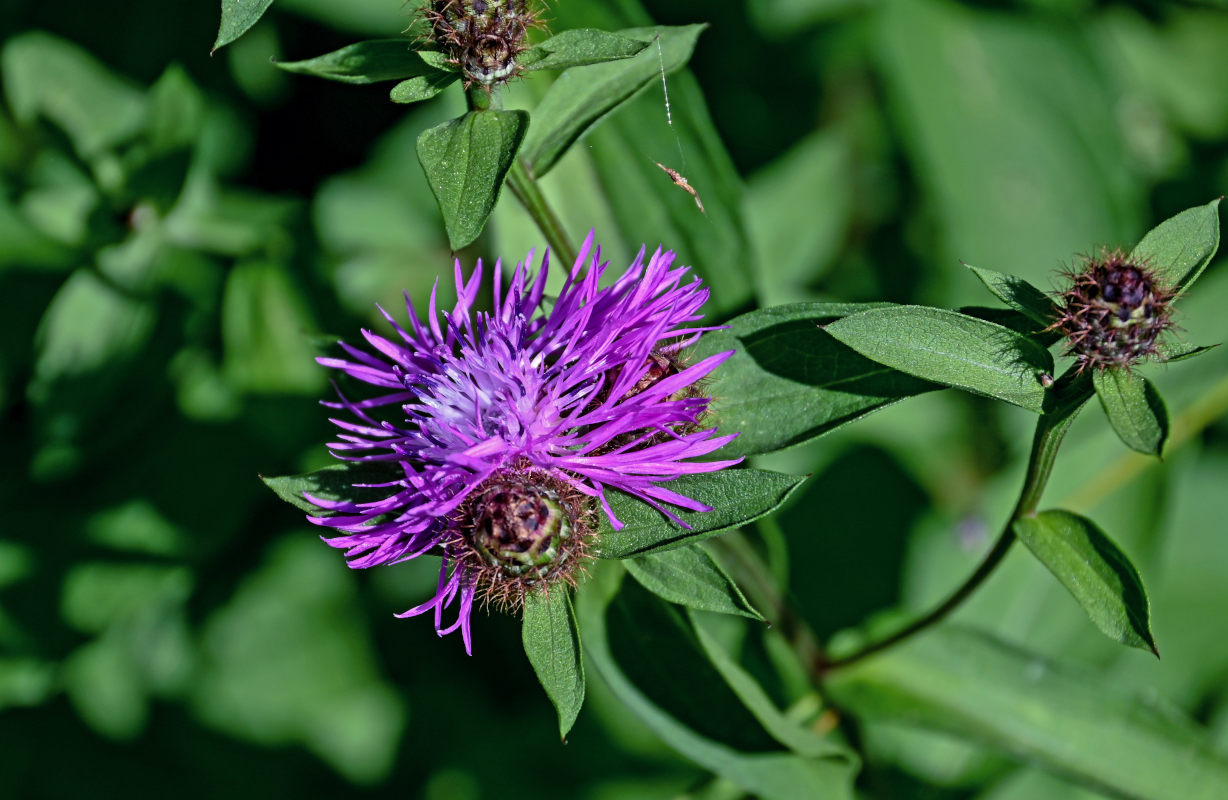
{"x":1095,"y":571}
{"x":689,"y":577}
{"x":737,"y":497}
{"x":552,"y":643}
{"x":1172,"y":353}
{"x":466,"y":160}
{"x":579,"y":47}
{"x":337,"y":482}
{"x":789,"y":381}
{"x":581,"y":96}
{"x":1181,"y":247}
{"x":423,"y":87}
{"x":951,"y":348}
{"x":1068,"y":721}
{"x":1017,"y":293}
{"x":364,"y":62}
{"x":1134,"y":408}
{"x":237,"y":17}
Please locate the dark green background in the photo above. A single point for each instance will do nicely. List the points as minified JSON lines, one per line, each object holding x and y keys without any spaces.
{"x":167,"y":627}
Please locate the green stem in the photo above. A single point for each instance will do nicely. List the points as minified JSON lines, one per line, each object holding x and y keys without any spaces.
{"x":1069,"y":394}
{"x":522,"y":184}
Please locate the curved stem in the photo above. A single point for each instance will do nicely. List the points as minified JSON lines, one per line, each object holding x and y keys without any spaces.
{"x":1069,"y":393}
{"x":523,"y":185}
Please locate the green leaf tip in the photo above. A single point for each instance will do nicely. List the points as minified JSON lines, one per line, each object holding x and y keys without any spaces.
{"x":238,"y":16}
{"x":1134,"y":408}
{"x":1095,"y":571}
{"x":552,"y":643}
{"x":1181,"y":247}
{"x":690,"y":577}
{"x":466,"y":160}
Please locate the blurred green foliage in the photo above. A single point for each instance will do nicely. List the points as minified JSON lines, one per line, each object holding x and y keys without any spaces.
{"x":180,"y":234}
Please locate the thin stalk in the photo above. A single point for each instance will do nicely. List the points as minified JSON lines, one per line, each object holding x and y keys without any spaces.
{"x":530,"y":195}
{"x":524,"y":186}
{"x":1070,"y":393}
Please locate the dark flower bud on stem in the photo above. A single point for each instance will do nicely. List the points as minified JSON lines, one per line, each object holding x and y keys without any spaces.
{"x":482,"y":37}
{"x":1113,"y":313}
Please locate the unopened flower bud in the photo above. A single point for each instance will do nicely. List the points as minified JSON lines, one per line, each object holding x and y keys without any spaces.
{"x":1113,"y":313}
{"x":482,"y":37}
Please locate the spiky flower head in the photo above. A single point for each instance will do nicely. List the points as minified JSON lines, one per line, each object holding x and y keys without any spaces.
{"x":482,"y":37}
{"x":504,"y":431}
{"x":1113,"y":313}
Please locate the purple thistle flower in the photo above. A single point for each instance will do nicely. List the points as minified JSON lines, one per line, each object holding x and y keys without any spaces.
{"x":538,"y":408}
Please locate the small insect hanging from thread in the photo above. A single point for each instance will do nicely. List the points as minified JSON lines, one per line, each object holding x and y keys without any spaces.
{"x":681,"y":182}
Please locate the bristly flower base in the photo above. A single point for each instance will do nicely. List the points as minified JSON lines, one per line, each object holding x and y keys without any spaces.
{"x":482,"y":37}
{"x":1113,"y":313}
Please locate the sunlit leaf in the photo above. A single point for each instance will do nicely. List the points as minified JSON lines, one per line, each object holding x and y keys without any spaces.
{"x":364,"y":62}
{"x":465,"y":161}
{"x":1134,"y":408}
{"x":579,"y":47}
{"x":552,"y":644}
{"x":1181,"y":247}
{"x":1096,"y":572}
{"x":237,"y":17}
{"x":689,"y":577}
{"x":737,"y":497}
{"x":951,"y":348}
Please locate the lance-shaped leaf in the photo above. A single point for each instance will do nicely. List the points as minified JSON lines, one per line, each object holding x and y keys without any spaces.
{"x":1096,"y":572}
{"x":1173,"y":352}
{"x":789,"y":381}
{"x":552,"y":644}
{"x":351,"y":480}
{"x":466,"y":160}
{"x":580,"y":47}
{"x":1181,"y":247}
{"x":689,"y":577}
{"x":1134,"y":408}
{"x":648,"y":644}
{"x":1064,"y":720}
{"x":1017,"y":293}
{"x":583,"y":95}
{"x":953,"y":349}
{"x":237,"y":17}
{"x":423,"y":87}
{"x":737,"y":497}
{"x":364,"y":62}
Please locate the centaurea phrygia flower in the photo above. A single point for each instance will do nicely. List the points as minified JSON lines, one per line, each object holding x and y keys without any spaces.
{"x":505,"y":430}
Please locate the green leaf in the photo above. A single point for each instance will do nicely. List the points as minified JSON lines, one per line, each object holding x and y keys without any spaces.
{"x":951,"y":348}
{"x":688,"y":576}
{"x":789,"y":381}
{"x":1181,"y":247}
{"x":49,"y":77}
{"x":237,"y":17}
{"x":581,"y":96}
{"x":465,"y":161}
{"x":1017,"y":293}
{"x":770,"y":775}
{"x":337,"y":482}
{"x":1095,"y":571}
{"x":423,"y":87}
{"x":737,"y":497}
{"x":1070,"y":722}
{"x":580,"y":47}
{"x":364,"y":62}
{"x":1134,"y":408}
{"x":552,"y":643}
{"x":1172,"y":353}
